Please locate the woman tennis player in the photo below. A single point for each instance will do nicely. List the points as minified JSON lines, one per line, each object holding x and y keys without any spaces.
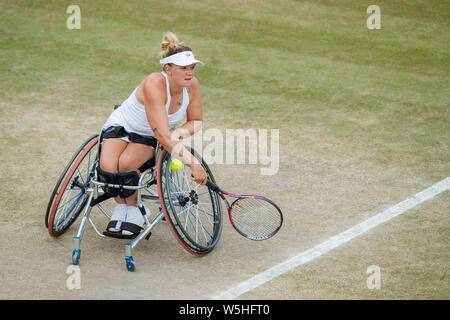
{"x":149,"y":115}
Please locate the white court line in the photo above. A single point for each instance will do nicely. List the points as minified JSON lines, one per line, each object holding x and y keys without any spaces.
{"x":335,"y":241}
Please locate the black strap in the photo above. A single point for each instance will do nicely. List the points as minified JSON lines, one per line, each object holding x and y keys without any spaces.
{"x":120,"y":132}
{"x":112,"y":224}
{"x":138,"y":138}
{"x":131,"y":227}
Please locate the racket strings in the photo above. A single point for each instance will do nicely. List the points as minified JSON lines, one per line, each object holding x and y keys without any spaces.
{"x":256,"y":218}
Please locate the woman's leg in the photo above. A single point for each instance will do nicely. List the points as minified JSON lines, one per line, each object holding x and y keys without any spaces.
{"x":109,"y":158}
{"x":131,"y":159}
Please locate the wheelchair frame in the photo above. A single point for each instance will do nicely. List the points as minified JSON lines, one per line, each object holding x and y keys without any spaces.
{"x":93,"y":195}
{"x":96,"y":199}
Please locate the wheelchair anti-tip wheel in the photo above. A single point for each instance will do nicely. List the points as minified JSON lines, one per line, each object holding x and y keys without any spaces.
{"x":69,"y":195}
{"x":192,"y":211}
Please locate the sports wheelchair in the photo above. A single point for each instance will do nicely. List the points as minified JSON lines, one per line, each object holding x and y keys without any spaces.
{"x":192,"y":211}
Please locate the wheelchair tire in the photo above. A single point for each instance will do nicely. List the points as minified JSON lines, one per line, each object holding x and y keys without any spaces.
{"x":193,"y":212}
{"x":69,"y":197}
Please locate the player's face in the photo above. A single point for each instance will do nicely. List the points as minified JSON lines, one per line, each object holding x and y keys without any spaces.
{"x":183,"y":75}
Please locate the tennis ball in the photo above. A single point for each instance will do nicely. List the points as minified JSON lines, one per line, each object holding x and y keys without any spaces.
{"x":176,"y":164}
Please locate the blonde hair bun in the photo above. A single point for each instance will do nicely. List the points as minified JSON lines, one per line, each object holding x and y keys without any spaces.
{"x":169,"y":43}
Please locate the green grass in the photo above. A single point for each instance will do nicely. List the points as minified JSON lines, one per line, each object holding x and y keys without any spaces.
{"x":297,"y":66}
{"x":376,"y":100}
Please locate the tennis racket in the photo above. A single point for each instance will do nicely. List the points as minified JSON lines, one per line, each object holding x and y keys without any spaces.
{"x":254,"y":217}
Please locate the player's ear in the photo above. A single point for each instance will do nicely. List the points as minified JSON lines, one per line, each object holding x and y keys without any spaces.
{"x":167,"y":68}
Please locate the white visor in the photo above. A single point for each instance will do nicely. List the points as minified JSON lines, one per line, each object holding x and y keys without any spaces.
{"x":184,"y":58}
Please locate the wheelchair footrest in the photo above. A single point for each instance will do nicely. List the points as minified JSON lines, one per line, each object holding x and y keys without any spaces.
{"x":119,"y":235}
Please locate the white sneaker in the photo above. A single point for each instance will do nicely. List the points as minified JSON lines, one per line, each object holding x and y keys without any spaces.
{"x":119,"y":214}
{"x":134,"y":216}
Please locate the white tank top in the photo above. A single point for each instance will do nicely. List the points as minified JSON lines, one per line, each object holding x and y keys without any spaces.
{"x":132,"y":116}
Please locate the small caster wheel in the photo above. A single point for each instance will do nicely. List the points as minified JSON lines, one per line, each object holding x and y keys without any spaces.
{"x":131,"y":265}
{"x":76,"y":257}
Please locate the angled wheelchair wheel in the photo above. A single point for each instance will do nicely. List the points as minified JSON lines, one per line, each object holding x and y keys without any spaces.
{"x":193,"y":212}
{"x":69,"y":195}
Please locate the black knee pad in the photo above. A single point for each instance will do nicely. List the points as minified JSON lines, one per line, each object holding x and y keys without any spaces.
{"x":107,"y":177}
{"x":121,"y":178}
{"x":127,"y":179}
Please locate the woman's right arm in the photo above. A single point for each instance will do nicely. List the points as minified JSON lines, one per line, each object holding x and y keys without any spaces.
{"x":154,"y":92}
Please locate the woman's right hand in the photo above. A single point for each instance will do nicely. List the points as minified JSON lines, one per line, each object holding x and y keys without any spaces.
{"x":199,"y":174}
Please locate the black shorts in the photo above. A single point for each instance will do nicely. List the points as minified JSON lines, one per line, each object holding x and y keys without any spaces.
{"x":119,"y":132}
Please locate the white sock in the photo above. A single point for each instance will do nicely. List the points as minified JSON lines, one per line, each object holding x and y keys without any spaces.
{"x":119,"y":214}
{"x":134,"y":215}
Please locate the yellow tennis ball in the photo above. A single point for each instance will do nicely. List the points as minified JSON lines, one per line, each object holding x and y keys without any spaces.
{"x":176,"y":164}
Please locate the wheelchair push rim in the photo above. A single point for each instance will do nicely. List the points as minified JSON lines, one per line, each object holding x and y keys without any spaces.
{"x":69,"y":195}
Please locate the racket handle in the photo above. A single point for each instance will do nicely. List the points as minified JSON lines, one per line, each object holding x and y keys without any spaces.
{"x":213,"y":186}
